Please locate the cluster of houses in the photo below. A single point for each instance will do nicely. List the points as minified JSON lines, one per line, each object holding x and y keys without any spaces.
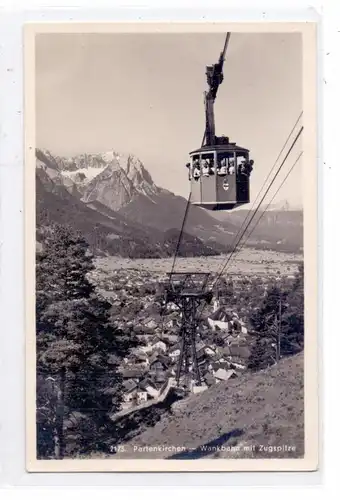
{"x":223,"y":343}
{"x":222,"y":351}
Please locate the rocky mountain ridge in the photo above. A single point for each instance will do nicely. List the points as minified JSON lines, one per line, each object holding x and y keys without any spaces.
{"x":95,"y":212}
{"x":123,"y":185}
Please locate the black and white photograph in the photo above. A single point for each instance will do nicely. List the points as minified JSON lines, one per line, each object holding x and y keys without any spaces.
{"x":171,"y":194}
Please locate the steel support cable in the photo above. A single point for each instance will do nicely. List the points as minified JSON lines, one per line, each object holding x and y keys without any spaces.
{"x":180,"y":235}
{"x":284,"y":180}
{"x":260,"y":203}
{"x":162,"y":315}
{"x":272,"y":198}
{"x":264,"y":183}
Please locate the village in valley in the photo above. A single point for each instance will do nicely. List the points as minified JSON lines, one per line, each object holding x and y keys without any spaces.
{"x":224,"y":338}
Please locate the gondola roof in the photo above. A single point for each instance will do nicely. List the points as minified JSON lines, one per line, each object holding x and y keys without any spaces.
{"x":221,"y":148}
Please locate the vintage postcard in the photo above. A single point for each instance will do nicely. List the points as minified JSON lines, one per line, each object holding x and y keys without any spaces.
{"x":171,"y":246}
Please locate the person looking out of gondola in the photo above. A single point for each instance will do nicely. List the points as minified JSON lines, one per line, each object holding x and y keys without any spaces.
{"x":197,"y":174}
{"x":197,"y":163}
{"x":250,"y":167}
{"x":223,"y":168}
{"x":211,"y":166}
{"x":189,"y":171}
{"x":197,"y":170}
{"x":231,"y":168}
{"x":205,"y":168}
{"x":246,"y":167}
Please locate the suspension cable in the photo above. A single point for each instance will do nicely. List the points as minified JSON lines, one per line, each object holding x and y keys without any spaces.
{"x":180,"y":235}
{"x":284,"y":180}
{"x":272,"y":198}
{"x":264,"y":183}
{"x":258,"y":206}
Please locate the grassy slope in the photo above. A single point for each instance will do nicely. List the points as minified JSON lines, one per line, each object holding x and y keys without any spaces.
{"x":265,"y":408}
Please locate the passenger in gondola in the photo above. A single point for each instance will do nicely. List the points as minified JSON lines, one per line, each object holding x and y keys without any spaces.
{"x":188,"y":165}
{"x":205,"y":168}
{"x":223,"y":167}
{"x":240,"y":161}
{"x":231,"y":168}
{"x":196,"y":173}
{"x":246,"y":167}
{"x":241,"y":168}
{"x":211,"y":166}
{"x":250,"y":167}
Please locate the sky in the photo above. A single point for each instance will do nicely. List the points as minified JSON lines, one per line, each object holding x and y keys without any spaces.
{"x":142,"y":94}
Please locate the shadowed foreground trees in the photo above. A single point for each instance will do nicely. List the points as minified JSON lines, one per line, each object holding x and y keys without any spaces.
{"x":278,"y":324}
{"x":77,"y":351}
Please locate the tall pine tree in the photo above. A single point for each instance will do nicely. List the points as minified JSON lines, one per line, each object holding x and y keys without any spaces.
{"x":266,"y":322}
{"x":278,"y":324}
{"x":293,"y":318}
{"x":77,"y":349}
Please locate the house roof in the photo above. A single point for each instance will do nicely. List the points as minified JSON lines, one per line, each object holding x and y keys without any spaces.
{"x":154,"y":357}
{"x":113,"y":359}
{"x":141,"y":389}
{"x":224,"y":374}
{"x":221,"y":315}
{"x":155,"y":340}
{"x":163,"y":359}
{"x":146,"y":382}
{"x":209,"y":378}
{"x":110,"y":391}
{"x":160,"y":376}
{"x":240,"y":351}
{"x":170,"y":339}
{"x":160,"y":359}
{"x":175,"y":347}
{"x":201,"y":354}
{"x":200,"y":345}
{"x":132,"y":372}
{"x":217,"y":366}
{"x":129,"y":385}
{"x":141,"y":355}
{"x":226,"y":351}
{"x":159,"y":379}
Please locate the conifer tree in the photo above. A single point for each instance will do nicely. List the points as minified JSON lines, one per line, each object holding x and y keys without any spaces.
{"x":278,"y":324}
{"x":267,"y":323}
{"x":77,"y":348}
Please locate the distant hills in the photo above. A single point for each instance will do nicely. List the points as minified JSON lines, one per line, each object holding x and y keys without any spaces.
{"x":112,"y":200}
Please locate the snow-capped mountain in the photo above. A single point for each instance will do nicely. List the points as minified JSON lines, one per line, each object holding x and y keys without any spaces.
{"x":49,"y":170}
{"x":83,"y":168}
{"x":123,"y":179}
{"x":111,"y":178}
{"x":92,"y":205}
{"x":111,"y":183}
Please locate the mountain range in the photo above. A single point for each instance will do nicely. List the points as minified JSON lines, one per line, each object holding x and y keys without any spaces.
{"x":112,"y":200}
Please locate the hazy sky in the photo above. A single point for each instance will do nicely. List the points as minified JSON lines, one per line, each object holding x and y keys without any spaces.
{"x":143,"y":94}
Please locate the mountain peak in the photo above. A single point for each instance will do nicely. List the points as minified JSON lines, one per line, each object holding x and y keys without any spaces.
{"x":124,"y":175}
{"x":139,"y":176}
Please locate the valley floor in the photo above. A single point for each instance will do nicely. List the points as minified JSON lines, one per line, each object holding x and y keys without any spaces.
{"x":247,"y":262}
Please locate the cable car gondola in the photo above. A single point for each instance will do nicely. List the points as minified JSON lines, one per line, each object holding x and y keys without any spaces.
{"x":219,"y":170}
